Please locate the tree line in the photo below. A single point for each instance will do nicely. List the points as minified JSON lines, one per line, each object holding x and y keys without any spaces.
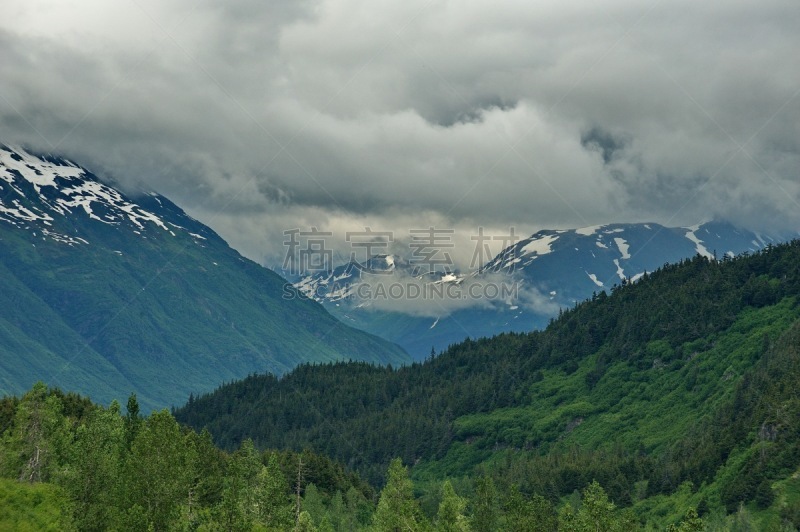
{"x":127,"y":472}
{"x":124,"y":471}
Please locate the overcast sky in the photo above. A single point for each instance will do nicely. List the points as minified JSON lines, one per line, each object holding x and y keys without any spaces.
{"x":258,"y":117}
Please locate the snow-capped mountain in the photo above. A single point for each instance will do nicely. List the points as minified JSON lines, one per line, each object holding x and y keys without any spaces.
{"x":340,"y":284}
{"x":41,"y":193}
{"x":108,"y":293}
{"x":553,"y":269}
{"x":573,"y":263}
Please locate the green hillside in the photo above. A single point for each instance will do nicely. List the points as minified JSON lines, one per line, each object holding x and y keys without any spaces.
{"x":163,"y":317}
{"x":676,"y":391}
{"x":106,"y":294}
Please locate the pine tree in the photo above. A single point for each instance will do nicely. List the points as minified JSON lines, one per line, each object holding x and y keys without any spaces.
{"x":336,"y":511}
{"x":485,"y":505}
{"x":240,"y":503}
{"x":597,"y":513}
{"x":132,"y":420}
{"x":313,"y":503}
{"x":450,"y":517}
{"x":359,"y":511}
{"x":275,"y":507}
{"x":534,"y":515}
{"x":304,"y":523}
{"x":691,"y":523}
{"x":397,"y":510}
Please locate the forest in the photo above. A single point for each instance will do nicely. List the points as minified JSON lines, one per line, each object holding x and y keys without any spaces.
{"x":681,"y":381}
{"x":669,"y":403}
{"x":68,"y":464}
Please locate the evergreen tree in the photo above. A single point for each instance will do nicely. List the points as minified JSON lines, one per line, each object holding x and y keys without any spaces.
{"x":397,"y":510}
{"x":275,"y":506}
{"x":240,"y":495}
{"x":597,"y":513}
{"x":359,"y":510}
{"x":522,"y":514}
{"x":305,"y":523}
{"x":313,"y":503}
{"x":485,"y":504}
{"x":132,"y":420}
{"x":450,"y":517}
{"x":691,"y":523}
{"x":336,"y":511}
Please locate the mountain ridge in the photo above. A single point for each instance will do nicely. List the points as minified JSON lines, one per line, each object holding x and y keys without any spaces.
{"x":669,"y":392}
{"x":548,"y":271}
{"x":111,"y":295}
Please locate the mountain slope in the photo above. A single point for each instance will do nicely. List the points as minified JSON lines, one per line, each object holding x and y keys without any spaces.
{"x":608,"y":391}
{"x":552,"y":268}
{"x":107,"y":295}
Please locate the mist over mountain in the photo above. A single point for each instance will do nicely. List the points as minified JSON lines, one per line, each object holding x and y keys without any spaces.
{"x":522,"y":288}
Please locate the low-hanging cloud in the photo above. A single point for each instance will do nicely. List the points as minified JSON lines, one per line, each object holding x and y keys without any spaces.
{"x":259,"y":117}
{"x":418,"y":296}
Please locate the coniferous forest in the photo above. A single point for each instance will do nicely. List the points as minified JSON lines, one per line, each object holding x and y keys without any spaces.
{"x":669,"y":403}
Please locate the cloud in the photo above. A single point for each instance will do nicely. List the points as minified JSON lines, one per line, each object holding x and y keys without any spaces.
{"x":418,"y":297}
{"x":407,"y":294}
{"x":259,"y":117}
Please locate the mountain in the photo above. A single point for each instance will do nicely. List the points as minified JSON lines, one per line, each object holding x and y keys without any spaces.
{"x":678,"y":390}
{"x":106,"y":294}
{"x":548,"y":271}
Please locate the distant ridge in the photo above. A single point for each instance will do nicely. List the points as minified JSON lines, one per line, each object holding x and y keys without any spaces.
{"x":555,"y":269}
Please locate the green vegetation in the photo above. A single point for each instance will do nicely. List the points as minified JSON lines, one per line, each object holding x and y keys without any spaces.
{"x":669,"y":404}
{"x":31,"y":507}
{"x":154,"y":312}
{"x":66,"y":463}
{"x":660,"y":391}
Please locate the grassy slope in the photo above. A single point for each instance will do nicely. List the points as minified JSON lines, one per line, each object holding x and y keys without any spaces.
{"x":31,"y":507}
{"x":772,"y":382}
{"x":630,"y":407}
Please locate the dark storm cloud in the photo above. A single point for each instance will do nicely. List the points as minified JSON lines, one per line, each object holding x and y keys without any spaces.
{"x":606,"y":142}
{"x":258,"y":117}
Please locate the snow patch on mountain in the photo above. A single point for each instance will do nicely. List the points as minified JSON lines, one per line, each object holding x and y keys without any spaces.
{"x":588,"y":231}
{"x":50,"y":186}
{"x":622,"y":246}
{"x":620,"y":271}
{"x":594,"y":279}
{"x":761,"y":240}
{"x":66,"y":239}
{"x":38,"y":172}
{"x":540,"y":246}
{"x":18,"y":212}
{"x":699,"y":247}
